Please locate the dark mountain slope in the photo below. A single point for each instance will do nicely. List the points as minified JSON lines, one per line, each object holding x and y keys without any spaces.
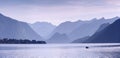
{"x":89,"y":28}
{"x":110,"y":34}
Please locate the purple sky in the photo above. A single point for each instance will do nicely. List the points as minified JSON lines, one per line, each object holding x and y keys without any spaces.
{"x":57,"y":11}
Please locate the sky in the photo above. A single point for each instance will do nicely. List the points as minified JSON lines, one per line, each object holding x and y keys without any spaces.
{"x":58,"y":11}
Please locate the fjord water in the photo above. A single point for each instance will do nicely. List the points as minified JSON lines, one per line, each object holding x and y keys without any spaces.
{"x":60,"y":50}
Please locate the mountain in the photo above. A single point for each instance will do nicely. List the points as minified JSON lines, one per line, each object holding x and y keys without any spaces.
{"x":58,"y":38}
{"x":110,"y":34}
{"x":10,"y":28}
{"x":66,"y":27}
{"x":80,"y":29}
{"x":81,"y":40}
{"x":89,"y":28}
{"x":102,"y":27}
{"x":43,"y":28}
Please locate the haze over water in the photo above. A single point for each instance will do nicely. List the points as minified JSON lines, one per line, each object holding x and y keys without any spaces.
{"x":60,"y":51}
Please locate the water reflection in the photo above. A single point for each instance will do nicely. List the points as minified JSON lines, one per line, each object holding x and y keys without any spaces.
{"x":58,"y":51}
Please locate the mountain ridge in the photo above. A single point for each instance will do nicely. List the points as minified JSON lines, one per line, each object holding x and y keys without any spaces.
{"x":110,"y":34}
{"x":43,"y":28}
{"x":11,"y":28}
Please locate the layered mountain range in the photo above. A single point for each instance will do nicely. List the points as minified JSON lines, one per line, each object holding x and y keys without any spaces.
{"x":110,"y":34}
{"x":95,"y":30}
{"x":80,"y":29}
{"x":43,"y":28}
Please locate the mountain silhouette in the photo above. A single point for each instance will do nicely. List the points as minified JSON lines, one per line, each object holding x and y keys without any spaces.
{"x":81,"y":40}
{"x":66,"y":27}
{"x":58,"y":38}
{"x":80,"y":29}
{"x":90,"y":27}
{"x":11,"y":28}
{"x":43,"y":28}
{"x":102,"y":27}
{"x":110,"y":34}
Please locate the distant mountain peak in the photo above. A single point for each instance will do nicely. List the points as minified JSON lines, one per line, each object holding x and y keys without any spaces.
{"x":43,"y":23}
{"x":43,"y":28}
{"x":78,"y":21}
{"x":117,"y":17}
{"x":58,"y":38}
{"x":94,"y":19}
{"x":103,"y":18}
{"x":40,"y":22}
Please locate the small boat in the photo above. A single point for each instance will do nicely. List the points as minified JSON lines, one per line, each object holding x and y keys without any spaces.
{"x":86,"y":47}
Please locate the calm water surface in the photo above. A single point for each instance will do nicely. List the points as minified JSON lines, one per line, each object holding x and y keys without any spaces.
{"x":60,"y":51}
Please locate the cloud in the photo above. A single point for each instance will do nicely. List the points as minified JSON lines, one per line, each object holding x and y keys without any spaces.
{"x":50,"y":2}
{"x":57,"y":11}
